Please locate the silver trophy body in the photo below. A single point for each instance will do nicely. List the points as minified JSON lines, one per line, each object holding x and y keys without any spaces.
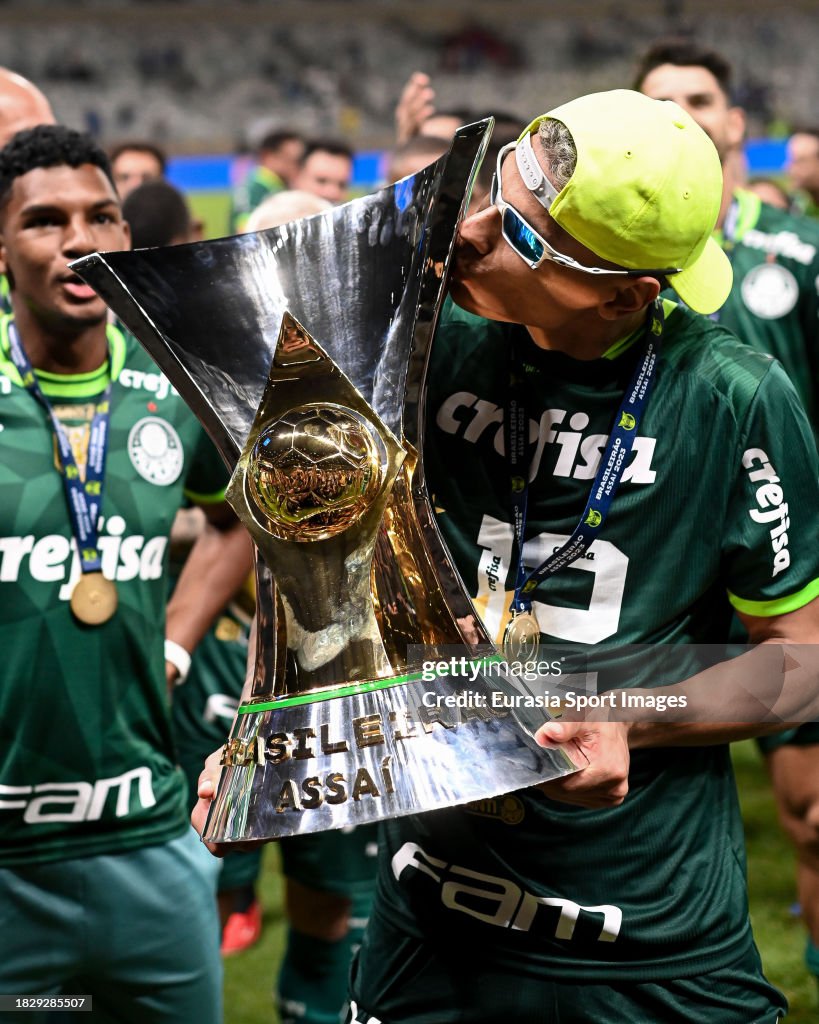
{"x":303,"y":350}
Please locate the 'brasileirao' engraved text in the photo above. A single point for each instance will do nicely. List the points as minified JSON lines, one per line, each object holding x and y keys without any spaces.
{"x":308,"y":792}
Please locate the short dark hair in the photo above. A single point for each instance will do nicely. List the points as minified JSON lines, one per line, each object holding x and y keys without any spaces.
{"x":272,"y":142}
{"x":157,"y":213}
{"x":48,"y":145}
{"x":140,"y":146}
{"x":805,"y":129}
{"x":685,"y":53}
{"x":332,"y":146}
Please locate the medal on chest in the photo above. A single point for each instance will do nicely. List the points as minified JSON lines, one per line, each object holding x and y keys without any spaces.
{"x":94,"y":599}
{"x":521,"y":638}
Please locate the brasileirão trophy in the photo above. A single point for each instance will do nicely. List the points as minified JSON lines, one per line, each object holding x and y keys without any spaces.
{"x":303,"y":350}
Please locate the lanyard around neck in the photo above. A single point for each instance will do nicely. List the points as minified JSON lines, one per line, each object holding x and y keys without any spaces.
{"x":84,"y":499}
{"x":609,"y":472}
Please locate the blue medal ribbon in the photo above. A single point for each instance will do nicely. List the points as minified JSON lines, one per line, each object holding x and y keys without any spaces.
{"x":84,"y":500}
{"x":609,"y":472}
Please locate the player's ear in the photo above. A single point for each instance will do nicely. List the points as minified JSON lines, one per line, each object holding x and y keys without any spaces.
{"x":126,"y":230}
{"x":629,"y":297}
{"x":736,"y":126}
{"x":4,"y":267}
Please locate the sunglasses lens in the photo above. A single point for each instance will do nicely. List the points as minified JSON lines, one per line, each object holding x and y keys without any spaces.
{"x":520,"y":237}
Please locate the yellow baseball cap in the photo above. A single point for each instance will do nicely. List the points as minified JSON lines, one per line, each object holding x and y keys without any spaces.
{"x":646,"y":190}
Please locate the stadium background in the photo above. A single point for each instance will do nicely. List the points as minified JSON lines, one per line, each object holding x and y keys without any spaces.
{"x":205,"y":80}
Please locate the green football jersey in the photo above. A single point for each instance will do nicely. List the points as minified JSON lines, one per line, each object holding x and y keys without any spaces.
{"x":654,"y":888}
{"x":260,"y":183}
{"x":87,"y":764}
{"x":774,"y":303}
{"x":5,"y":294}
{"x":806,"y":205}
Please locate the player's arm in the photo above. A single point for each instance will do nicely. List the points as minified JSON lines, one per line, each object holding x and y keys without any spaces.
{"x":415,"y":105}
{"x":212,"y":770}
{"x":776,"y":683}
{"x":218,"y":564}
{"x":771,"y":688}
{"x":764,"y":691}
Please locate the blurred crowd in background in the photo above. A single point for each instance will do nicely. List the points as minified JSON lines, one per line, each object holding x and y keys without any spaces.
{"x":200,"y":77}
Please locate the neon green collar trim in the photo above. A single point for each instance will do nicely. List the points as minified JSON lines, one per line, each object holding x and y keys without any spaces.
{"x":807,"y":205}
{"x":268,"y":177}
{"x":619,"y":347}
{"x":68,"y":385}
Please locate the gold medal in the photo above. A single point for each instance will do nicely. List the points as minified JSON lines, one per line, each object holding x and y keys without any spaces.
{"x":94,"y":599}
{"x":521,"y":638}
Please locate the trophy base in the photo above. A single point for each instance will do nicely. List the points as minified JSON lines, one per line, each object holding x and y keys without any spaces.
{"x":296,"y":765}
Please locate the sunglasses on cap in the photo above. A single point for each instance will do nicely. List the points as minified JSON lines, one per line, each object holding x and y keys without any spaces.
{"x":518,"y":233}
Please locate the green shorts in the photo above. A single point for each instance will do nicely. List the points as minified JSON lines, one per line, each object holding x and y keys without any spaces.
{"x":804,"y":736}
{"x":239,"y":870}
{"x":136,"y":931}
{"x":342,"y":862}
{"x":397,"y":978}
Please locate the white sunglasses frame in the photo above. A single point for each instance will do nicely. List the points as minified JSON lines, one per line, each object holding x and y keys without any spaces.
{"x":545,"y":193}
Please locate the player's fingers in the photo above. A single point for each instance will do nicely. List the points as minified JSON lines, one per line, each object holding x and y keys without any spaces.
{"x":209,"y":776}
{"x":205,"y":788}
{"x":199,"y":817}
{"x":554,"y":734}
{"x":417,"y":80}
{"x":414,"y":106}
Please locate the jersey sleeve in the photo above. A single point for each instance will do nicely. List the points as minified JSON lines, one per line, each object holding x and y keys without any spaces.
{"x":771,"y":542}
{"x":207,"y":477}
{"x":809,"y":303}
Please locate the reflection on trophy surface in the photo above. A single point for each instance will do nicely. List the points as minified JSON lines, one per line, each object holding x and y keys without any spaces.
{"x":313,"y":472}
{"x":311,"y":486}
{"x":303,"y":350}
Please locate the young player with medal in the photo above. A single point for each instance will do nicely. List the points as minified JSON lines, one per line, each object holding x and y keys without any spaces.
{"x":98,"y":453}
{"x":94,"y":597}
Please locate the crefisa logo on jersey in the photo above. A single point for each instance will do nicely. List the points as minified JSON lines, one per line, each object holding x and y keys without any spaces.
{"x":155,"y":450}
{"x":772,"y":510}
{"x":770,"y":291}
